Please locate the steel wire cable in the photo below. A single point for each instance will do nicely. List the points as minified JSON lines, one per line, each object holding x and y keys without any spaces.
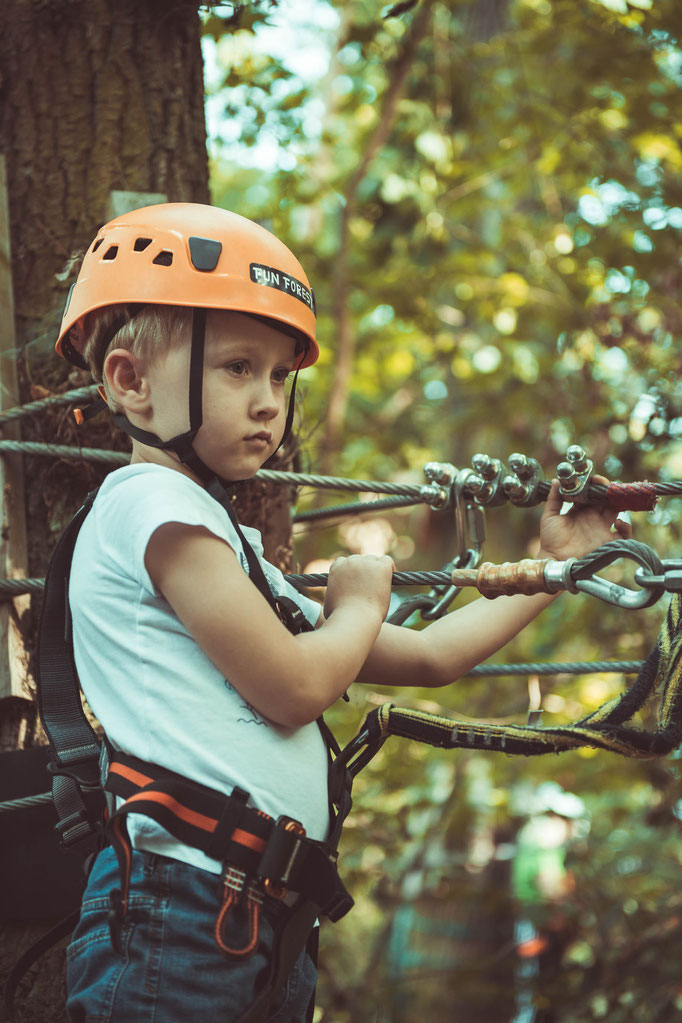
{"x":414,"y":490}
{"x":303,"y":479}
{"x":557,"y":668}
{"x":24,"y":804}
{"x":356,"y":508}
{"x":28,"y":447}
{"x":18,"y":587}
{"x":54,"y":400}
{"x":595,"y":492}
{"x":484,"y":670}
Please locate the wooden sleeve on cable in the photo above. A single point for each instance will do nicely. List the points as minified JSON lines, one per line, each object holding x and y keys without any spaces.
{"x":527,"y":577}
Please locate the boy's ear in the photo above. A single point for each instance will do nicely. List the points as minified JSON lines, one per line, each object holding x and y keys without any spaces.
{"x":125,"y":374}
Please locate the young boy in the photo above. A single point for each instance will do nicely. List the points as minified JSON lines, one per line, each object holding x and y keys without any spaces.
{"x":185,"y":307}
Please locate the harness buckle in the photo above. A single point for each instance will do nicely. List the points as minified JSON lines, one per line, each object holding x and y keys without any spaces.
{"x":77,"y":785}
{"x":78,"y":825}
{"x":284,"y":850}
{"x":85,"y":773}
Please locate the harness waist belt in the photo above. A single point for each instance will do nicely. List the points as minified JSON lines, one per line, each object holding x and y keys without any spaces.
{"x":226,"y":829}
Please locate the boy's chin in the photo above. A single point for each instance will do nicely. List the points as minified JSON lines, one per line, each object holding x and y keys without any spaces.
{"x":237,"y":474}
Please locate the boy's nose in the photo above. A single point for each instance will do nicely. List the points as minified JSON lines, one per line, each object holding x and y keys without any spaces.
{"x":266,"y":403}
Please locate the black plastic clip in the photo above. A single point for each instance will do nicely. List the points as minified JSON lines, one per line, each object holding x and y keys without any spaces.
{"x":115,"y":918}
{"x":340,"y":904}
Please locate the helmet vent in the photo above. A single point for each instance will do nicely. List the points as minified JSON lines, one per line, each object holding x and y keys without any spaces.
{"x":141,"y":244}
{"x":111,"y":252}
{"x":164,"y":258}
{"x":97,"y":244}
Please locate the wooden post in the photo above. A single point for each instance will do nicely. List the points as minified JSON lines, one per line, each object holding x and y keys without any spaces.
{"x":13,"y":551}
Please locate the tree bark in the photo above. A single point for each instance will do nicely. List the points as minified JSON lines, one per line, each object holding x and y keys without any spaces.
{"x":95,"y":96}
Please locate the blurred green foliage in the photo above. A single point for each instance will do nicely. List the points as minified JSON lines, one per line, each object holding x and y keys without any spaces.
{"x":499,"y":236}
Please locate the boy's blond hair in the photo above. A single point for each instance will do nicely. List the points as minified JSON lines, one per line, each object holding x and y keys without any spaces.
{"x":153,"y":331}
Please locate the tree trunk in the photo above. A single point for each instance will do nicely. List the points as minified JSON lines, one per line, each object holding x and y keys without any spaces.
{"x":95,"y":96}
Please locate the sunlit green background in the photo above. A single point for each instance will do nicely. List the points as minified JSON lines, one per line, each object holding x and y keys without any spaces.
{"x":487,"y":198}
{"x":488,"y":201}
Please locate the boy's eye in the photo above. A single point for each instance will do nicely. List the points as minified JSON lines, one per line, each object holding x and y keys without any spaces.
{"x":281,"y":375}
{"x":238,"y":367}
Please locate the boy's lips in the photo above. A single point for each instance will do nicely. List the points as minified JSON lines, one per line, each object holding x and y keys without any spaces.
{"x":263,"y":435}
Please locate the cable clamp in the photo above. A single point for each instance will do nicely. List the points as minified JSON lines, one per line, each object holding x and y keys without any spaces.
{"x":574,"y":475}
{"x":436,"y":497}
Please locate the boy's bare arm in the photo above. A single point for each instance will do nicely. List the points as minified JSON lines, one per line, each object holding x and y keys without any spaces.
{"x":289,"y":679}
{"x":448,"y":648}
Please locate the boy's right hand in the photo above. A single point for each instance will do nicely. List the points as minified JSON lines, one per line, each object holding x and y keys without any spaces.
{"x":365,"y":578}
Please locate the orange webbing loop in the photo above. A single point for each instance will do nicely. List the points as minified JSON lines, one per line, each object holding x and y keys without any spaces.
{"x":237,"y":890}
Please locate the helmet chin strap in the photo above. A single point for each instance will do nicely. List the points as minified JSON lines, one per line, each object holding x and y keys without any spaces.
{"x":182,"y":444}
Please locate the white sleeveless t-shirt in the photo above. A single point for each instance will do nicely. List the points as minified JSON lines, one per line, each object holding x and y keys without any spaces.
{"x":155,"y":692}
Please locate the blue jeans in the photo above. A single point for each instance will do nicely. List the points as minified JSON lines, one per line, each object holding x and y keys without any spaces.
{"x":170,"y":969}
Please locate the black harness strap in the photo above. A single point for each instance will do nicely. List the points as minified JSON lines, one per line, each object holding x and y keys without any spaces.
{"x":256,"y":573}
{"x":76,"y":789}
{"x":33,"y":954}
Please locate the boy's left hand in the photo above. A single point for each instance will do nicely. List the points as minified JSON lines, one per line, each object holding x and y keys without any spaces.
{"x":581,"y":530}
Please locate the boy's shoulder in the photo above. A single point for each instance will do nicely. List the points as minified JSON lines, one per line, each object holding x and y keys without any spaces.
{"x":142,"y":476}
{"x":152,"y":486}
{"x":154,"y":489}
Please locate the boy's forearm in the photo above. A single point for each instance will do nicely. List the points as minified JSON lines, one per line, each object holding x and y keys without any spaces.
{"x":471,"y":634}
{"x":451,"y":646}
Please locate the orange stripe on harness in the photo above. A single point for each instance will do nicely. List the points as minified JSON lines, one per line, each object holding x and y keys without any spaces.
{"x":127,"y":772}
{"x":249,"y":840}
{"x":199,"y":820}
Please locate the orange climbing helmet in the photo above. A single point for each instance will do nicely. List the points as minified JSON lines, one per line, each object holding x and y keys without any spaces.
{"x":188,"y":254}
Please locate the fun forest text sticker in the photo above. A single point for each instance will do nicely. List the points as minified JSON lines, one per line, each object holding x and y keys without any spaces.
{"x":271,"y":278}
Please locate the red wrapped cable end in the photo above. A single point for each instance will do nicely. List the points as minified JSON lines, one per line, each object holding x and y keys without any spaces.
{"x":631,"y":496}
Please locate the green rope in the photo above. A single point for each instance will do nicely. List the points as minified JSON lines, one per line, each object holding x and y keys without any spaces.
{"x":609,"y":727}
